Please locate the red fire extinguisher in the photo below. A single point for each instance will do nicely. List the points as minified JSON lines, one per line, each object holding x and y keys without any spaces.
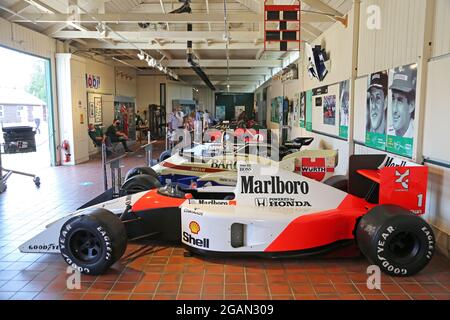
{"x":66,"y":147}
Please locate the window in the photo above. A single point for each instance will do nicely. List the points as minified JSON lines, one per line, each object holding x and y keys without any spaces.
{"x":1,"y":111}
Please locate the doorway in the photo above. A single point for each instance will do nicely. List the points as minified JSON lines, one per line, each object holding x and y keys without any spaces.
{"x":26,"y":102}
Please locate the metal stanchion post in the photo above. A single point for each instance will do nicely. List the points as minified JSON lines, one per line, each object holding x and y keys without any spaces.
{"x":105,"y":175}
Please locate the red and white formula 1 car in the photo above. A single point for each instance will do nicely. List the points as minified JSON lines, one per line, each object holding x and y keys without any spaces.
{"x":271,"y":214}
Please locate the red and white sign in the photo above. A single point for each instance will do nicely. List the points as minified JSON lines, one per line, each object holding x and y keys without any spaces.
{"x":318,"y":169}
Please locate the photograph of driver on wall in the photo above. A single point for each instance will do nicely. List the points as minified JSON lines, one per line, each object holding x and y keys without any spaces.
{"x":377,"y":102}
{"x":401,"y":110}
{"x":403,"y":102}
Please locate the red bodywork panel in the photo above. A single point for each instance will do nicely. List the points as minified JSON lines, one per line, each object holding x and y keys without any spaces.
{"x":405,"y":187}
{"x":402,"y":186}
{"x":321,"y":228}
{"x":154,"y":200}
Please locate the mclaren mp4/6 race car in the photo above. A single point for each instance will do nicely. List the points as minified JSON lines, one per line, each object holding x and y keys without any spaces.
{"x":187,"y":167}
{"x":272,"y":213}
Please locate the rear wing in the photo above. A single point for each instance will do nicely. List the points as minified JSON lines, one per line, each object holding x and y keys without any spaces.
{"x":385,"y":180}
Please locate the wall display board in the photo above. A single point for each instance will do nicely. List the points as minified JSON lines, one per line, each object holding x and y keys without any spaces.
{"x":308,"y":112}
{"x":302,"y":110}
{"x":401,"y":110}
{"x":295,"y":117}
{"x":220,"y":112}
{"x":344,"y":99}
{"x":277,"y":109}
{"x":329,"y":110}
{"x":98,"y":119}
{"x":95,"y":109}
{"x":238,"y":110}
{"x":124,"y":110}
{"x":436,"y":112}
{"x":376,"y":110}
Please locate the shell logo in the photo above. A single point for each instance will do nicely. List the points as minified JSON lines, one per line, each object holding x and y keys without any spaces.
{"x":194,"y":227}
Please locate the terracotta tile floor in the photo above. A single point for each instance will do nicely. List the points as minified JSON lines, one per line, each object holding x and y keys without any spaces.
{"x":149,"y":271}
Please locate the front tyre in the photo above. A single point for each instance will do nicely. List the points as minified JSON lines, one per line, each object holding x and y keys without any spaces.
{"x":91,"y":243}
{"x":394,"y":239}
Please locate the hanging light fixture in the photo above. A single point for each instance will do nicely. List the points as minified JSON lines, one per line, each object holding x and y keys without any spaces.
{"x":141,"y":55}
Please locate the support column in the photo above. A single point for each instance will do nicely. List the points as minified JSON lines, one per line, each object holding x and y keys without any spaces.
{"x":426,"y":47}
{"x":354,"y":74}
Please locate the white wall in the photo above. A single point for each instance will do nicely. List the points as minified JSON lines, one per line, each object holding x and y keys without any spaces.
{"x":401,"y":40}
{"x":398,"y":42}
{"x":148,"y":91}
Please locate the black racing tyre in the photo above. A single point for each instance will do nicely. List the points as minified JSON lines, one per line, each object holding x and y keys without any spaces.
{"x":139,"y":183}
{"x":338,"y":182}
{"x":141,"y":170}
{"x":396,"y":240}
{"x":165,"y":155}
{"x":92,"y":242}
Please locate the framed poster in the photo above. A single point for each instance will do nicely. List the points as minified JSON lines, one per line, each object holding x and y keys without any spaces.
{"x":274,"y":111}
{"x":296,"y":111}
{"x":98,"y":117}
{"x":238,"y":110}
{"x":91,"y":112}
{"x":344,"y":99}
{"x":329,"y":110}
{"x":220,"y":112}
{"x":376,"y":110}
{"x":401,"y":110}
{"x":302,"y":110}
{"x":308,"y":112}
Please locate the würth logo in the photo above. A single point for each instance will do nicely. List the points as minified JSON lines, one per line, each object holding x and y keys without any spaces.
{"x":315,"y":169}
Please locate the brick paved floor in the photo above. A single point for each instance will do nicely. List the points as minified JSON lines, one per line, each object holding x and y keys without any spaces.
{"x":149,"y":271}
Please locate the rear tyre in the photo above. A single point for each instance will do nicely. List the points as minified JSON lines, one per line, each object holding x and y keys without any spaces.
{"x":338,"y":182}
{"x":165,"y":155}
{"x":394,"y":239}
{"x":141,"y":170}
{"x":91,"y":243}
{"x":139,"y":183}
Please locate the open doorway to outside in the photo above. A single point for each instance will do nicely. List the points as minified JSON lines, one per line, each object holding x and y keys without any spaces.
{"x":26,"y":109}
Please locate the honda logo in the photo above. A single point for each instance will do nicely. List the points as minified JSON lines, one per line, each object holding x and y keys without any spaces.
{"x":261,"y":202}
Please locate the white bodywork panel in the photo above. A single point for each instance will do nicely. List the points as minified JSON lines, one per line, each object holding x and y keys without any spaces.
{"x":206,"y":224}
{"x":47,"y":241}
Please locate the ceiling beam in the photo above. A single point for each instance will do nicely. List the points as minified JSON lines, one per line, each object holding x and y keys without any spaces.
{"x":142,"y":17}
{"x":261,"y":72}
{"x":210,"y":63}
{"x":144,"y":45}
{"x":121,"y":18}
{"x":251,"y":78}
{"x":315,"y":32}
{"x":18,"y":8}
{"x":325,"y":8}
{"x":253,"y":5}
{"x":136,"y":36}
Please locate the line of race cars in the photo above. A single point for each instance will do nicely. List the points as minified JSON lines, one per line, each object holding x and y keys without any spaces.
{"x":264,"y":210}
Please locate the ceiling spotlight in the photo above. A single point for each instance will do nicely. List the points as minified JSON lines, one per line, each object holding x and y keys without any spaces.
{"x":141,"y":55}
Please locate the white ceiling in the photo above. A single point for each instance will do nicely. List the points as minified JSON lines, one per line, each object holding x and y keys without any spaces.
{"x":169,"y":38}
